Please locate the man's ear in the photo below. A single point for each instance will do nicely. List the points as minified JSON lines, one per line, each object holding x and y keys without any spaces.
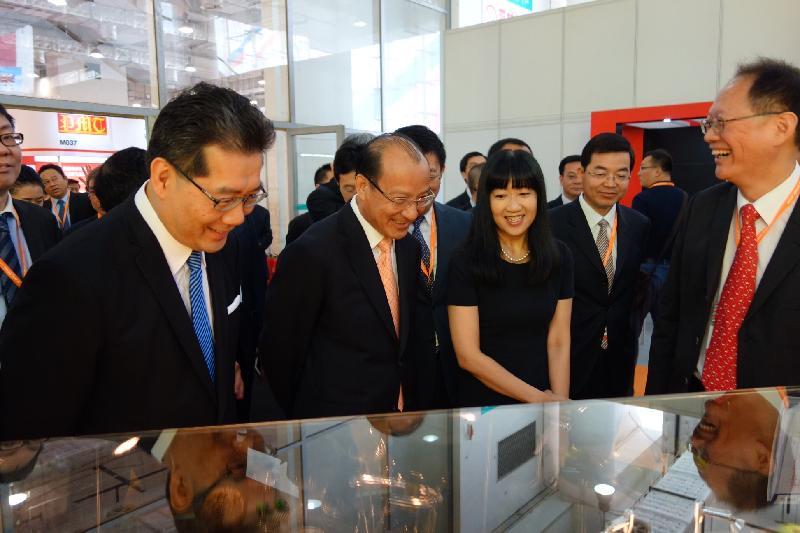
{"x":181,"y":491}
{"x":763,"y":458}
{"x":161,"y":173}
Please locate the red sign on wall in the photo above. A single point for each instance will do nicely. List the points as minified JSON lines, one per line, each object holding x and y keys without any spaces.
{"x":82,"y":124}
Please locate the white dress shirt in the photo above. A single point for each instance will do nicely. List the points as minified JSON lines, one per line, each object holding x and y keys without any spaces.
{"x":19,"y":245}
{"x":374,"y":237}
{"x":176,"y":253}
{"x":767,"y":207}
{"x":426,"y":228}
{"x":594,"y":218}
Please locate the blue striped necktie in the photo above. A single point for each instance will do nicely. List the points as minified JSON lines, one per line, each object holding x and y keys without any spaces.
{"x":8,"y":254}
{"x":425,"y":253}
{"x":61,"y":216}
{"x":202,"y":327}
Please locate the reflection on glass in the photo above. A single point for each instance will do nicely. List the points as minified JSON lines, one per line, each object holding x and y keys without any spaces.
{"x":336,"y":55}
{"x":240,"y":45}
{"x":100,"y":52}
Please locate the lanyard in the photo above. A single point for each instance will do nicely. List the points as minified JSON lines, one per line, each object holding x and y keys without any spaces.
{"x":54,"y":207}
{"x":611,"y":242}
{"x":788,"y":202}
{"x":428,"y":270}
{"x":7,"y":270}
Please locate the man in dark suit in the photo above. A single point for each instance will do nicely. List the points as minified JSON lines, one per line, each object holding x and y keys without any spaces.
{"x":152,"y":328}
{"x":299,"y":224}
{"x":438,"y":229}
{"x":728,"y":316}
{"x":571,"y":181}
{"x":329,"y":197}
{"x":26,"y":230}
{"x":464,"y":200}
{"x":608,"y":243}
{"x":68,"y":207}
{"x":340,"y":307}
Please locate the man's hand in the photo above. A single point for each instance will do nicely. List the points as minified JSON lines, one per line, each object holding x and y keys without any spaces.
{"x":238,"y":383}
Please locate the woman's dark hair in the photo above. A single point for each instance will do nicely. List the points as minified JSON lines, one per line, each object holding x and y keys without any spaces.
{"x":482,"y":246}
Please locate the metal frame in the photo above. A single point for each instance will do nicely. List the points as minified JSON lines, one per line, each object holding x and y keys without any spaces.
{"x":292,"y":134}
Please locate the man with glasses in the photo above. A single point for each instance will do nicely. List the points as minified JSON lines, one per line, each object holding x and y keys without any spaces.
{"x":608,"y":243}
{"x":142,"y":308}
{"x":26,"y":230}
{"x":728,"y":318}
{"x":340,"y":308}
{"x":439,"y":229}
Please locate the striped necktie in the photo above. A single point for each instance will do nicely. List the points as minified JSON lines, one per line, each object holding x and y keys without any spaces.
{"x":8,"y":254}
{"x":425,"y":254}
{"x":202,"y":326}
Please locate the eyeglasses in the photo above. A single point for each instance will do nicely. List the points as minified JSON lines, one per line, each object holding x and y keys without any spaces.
{"x":718,"y":124}
{"x":402,"y":203}
{"x":225,"y":204}
{"x":11,"y":139}
{"x":603,"y":175}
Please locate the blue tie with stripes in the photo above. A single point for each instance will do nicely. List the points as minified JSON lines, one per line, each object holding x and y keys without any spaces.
{"x":8,"y":254}
{"x":202,"y":327}
{"x":425,"y":253}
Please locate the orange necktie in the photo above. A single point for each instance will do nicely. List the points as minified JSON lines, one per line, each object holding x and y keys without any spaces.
{"x":390,"y":288}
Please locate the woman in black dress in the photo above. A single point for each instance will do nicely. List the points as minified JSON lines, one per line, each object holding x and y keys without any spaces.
{"x":510,"y":292}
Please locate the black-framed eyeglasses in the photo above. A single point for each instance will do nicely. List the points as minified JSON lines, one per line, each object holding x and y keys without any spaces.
{"x":718,"y":124}
{"x":402,"y":203}
{"x":12,"y":139}
{"x":225,"y":204}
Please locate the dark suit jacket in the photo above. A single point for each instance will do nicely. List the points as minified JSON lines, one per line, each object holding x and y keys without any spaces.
{"x":80,"y":225}
{"x":437,"y":371}
{"x":593,"y":308}
{"x":119,"y":353}
{"x":324,"y":201}
{"x":80,"y":207}
{"x":297,"y":226}
{"x":662,"y":205}
{"x":39,"y":227}
{"x":461,"y":202}
{"x":328,"y":345}
{"x":558,"y":202}
{"x":768,"y":341}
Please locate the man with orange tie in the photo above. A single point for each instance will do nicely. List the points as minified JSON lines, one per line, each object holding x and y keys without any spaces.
{"x":340,"y":307}
{"x":729,"y":314}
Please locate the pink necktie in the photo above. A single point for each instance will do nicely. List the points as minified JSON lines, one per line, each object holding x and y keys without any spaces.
{"x":719,"y":370}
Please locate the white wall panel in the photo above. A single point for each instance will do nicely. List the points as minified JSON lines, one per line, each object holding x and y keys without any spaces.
{"x":677,"y":51}
{"x":457,"y":144}
{"x":599,"y":53}
{"x":546,"y":143}
{"x":471,"y":71}
{"x":530,"y":66}
{"x":751,"y":29}
{"x":576,"y":135}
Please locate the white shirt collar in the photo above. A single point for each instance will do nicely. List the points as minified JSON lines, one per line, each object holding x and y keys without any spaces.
{"x":593,"y":217}
{"x":769,"y":204}
{"x":374,"y":237}
{"x":64,"y":198}
{"x":175,"y":252}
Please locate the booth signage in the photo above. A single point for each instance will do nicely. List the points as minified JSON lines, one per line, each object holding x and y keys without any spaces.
{"x":82,"y":124}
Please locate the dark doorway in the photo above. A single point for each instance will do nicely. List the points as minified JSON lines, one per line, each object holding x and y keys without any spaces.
{"x":692,"y":164}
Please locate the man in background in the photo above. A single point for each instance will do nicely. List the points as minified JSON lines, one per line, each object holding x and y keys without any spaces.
{"x":571,"y":181}
{"x":28,"y":187}
{"x":303,"y":221}
{"x":464,"y":200}
{"x":68,"y":207}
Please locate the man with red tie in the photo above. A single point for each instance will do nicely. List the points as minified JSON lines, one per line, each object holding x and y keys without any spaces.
{"x":730,"y":311}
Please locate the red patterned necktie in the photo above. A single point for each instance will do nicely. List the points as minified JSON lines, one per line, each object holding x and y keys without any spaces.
{"x":719,"y":371}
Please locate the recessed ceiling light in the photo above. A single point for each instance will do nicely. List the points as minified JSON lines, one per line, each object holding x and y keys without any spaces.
{"x":190,"y":68}
{"x":261,"y":82}
{"x":430,"y":438}
{"x":96,"y":53}
{"x":359,"y":24}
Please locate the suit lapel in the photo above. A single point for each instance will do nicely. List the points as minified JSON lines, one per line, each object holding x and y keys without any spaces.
{"x":363,"y":264}
{"x":32,"y":234}
{"x":783,"y":260}
{"x":623,"y":244}
{"x":155,"y":270}
{"x":582,"y":236}
{"x":718,"y":239}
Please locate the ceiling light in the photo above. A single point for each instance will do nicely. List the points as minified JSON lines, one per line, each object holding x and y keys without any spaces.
{"x":185,"y":29}
{"x":59,"y":3}
{"x":262,"y":82}
{"x":126,"y":446}
{"x":359,"y":24}
{"x":18,"y":498}
{"x":430,"y":438}
{"x":189,"y":67}
{"x":96,"y":53}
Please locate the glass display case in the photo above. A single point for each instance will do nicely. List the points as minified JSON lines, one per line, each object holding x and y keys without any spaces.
{"x":706,"y":462}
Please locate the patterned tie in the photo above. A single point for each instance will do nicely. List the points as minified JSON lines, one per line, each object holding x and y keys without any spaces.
{"x":602,"y":247}
{"x":426,"y":255}
{"x":61,"y":217}
{"x":202,"y":327}
{"x":719,"y":370}
{"x":8,"y":254}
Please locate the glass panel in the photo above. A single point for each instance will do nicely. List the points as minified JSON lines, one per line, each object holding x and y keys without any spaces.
{"x":100,"y":52}
{"x":241,"y":45}
{"x":412,"y":65}
{"x":471,"y":12}
{"x":576,"y":466}
{"x":336,"y":56}
{"x":311,"y":151}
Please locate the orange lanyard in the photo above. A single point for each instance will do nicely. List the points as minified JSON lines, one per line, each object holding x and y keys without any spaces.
{"x":611,"y":242}
{"x":7,"y":270}
{"x":663,"y":184}
{"x":788,"y":202}
{"x":428,"y":270}
{"x":54,"y":207}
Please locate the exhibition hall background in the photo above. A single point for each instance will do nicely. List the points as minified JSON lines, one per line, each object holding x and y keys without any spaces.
{"x":324,"y":68}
